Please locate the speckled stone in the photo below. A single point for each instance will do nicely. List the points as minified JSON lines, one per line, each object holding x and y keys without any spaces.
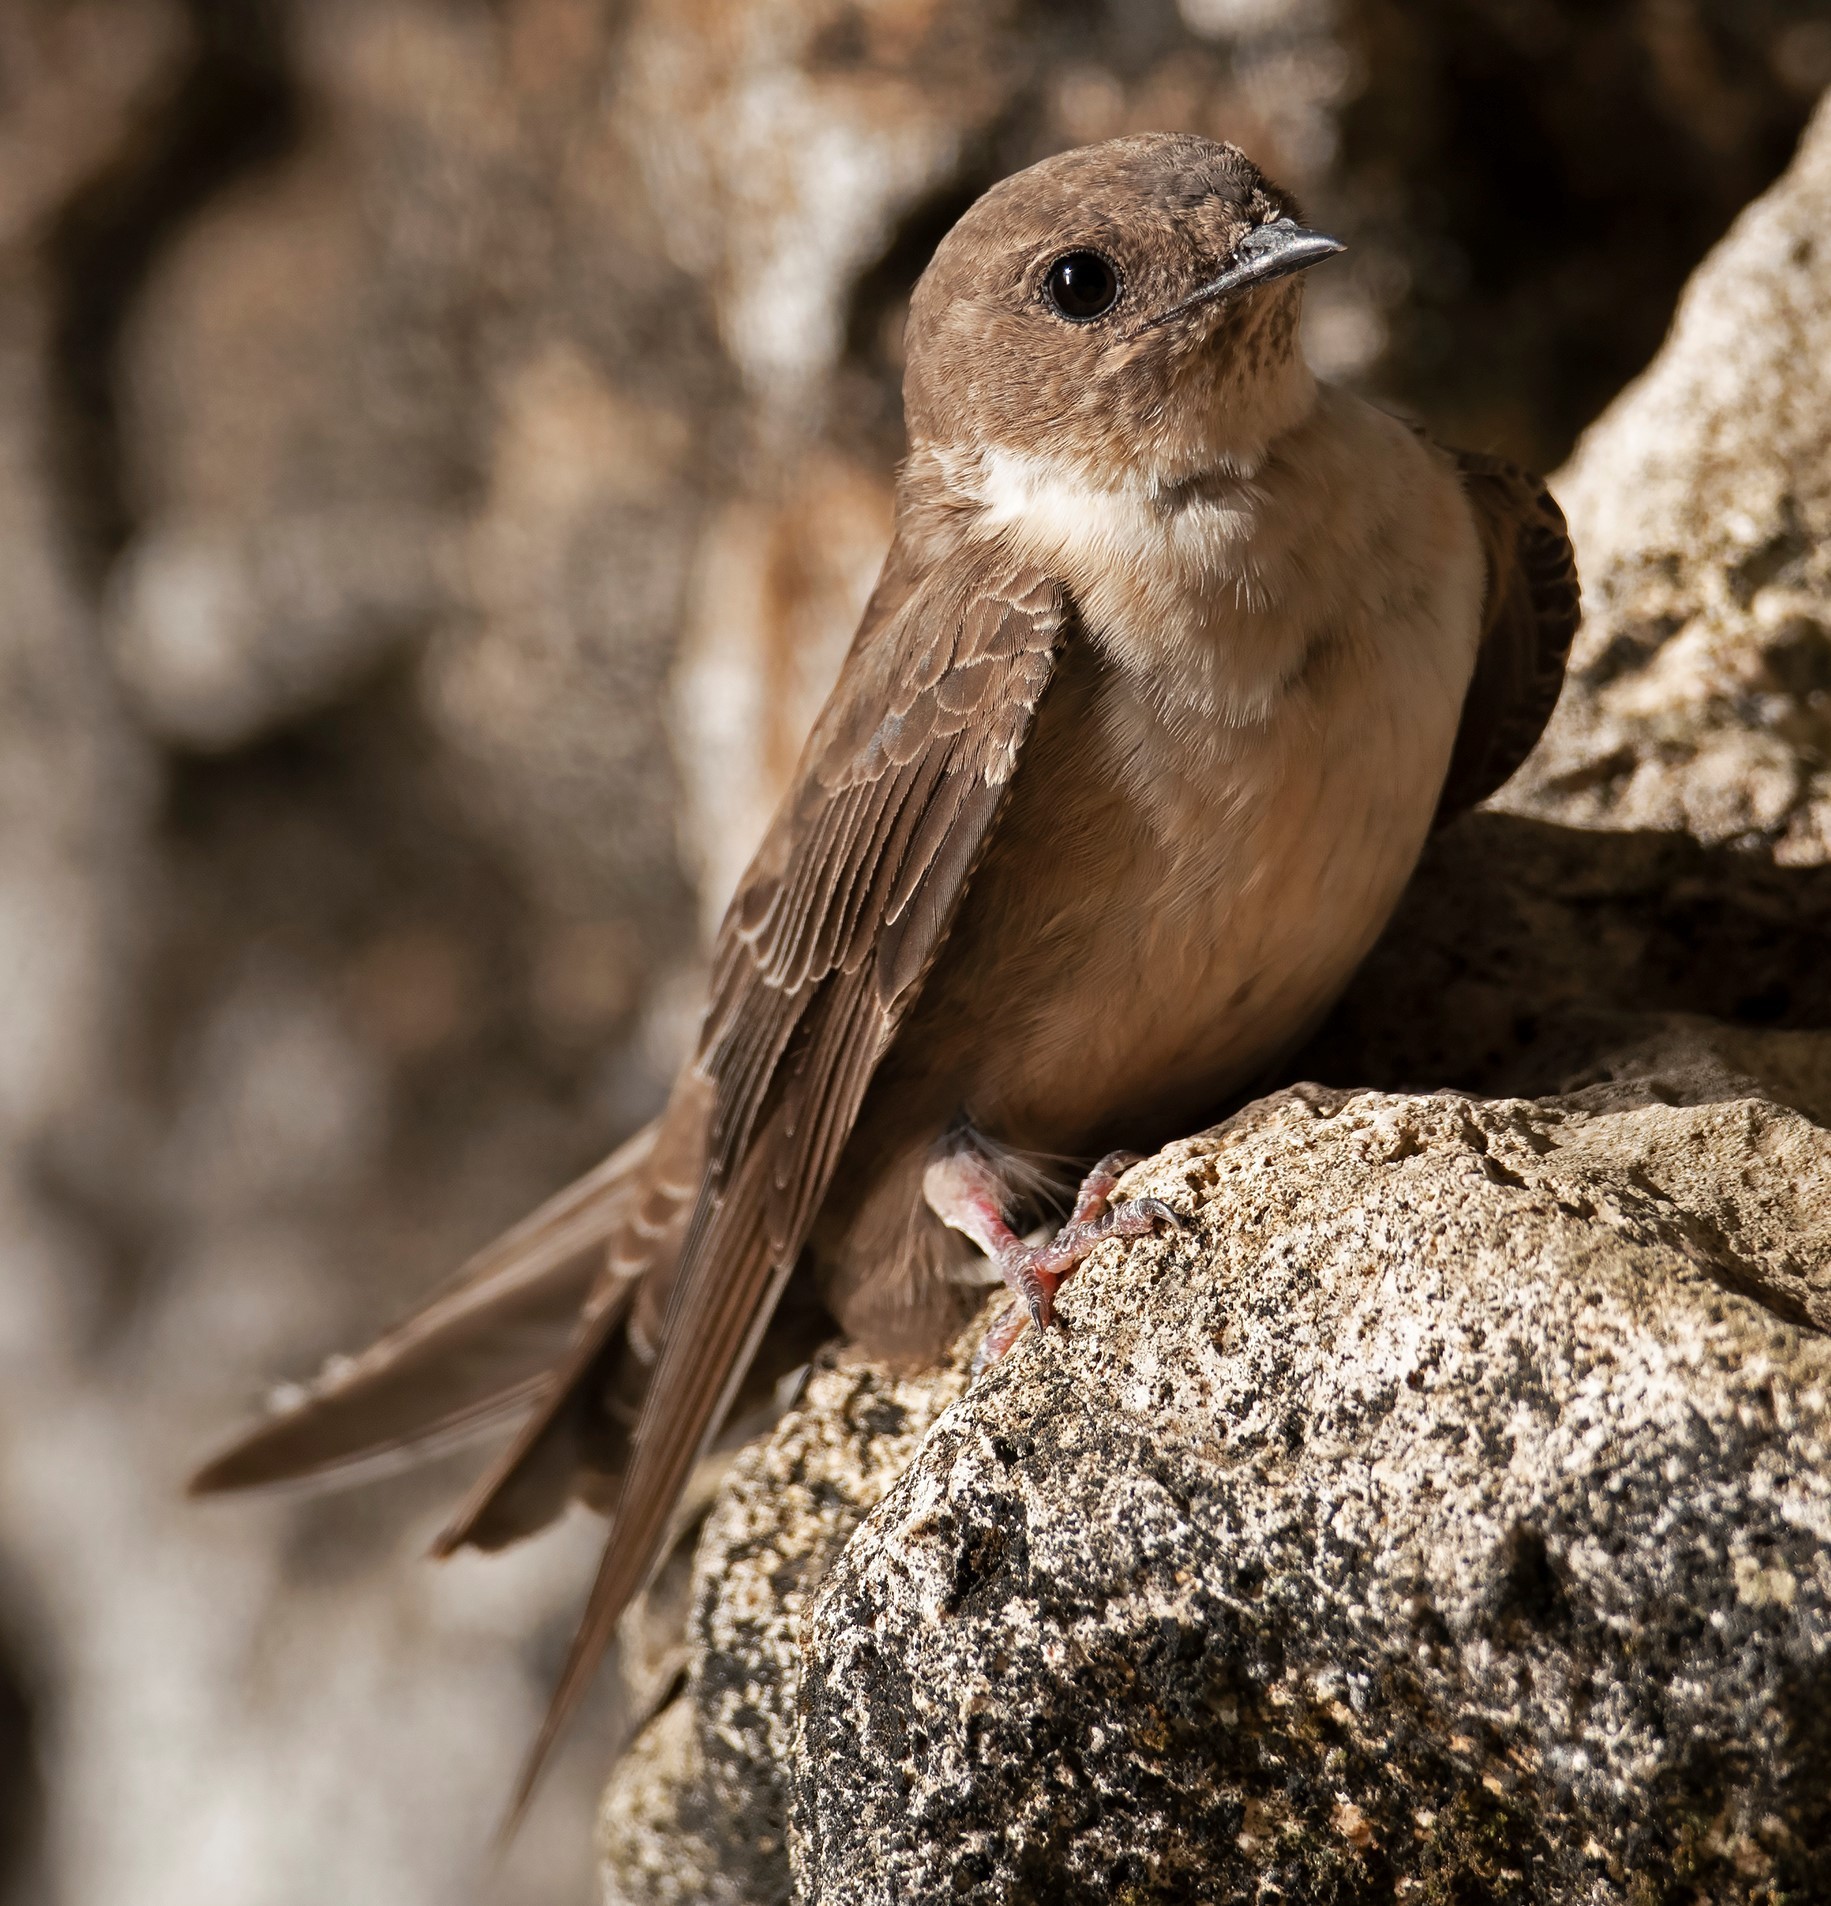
{"x":1700,"y":693}
{"x":698,"y":1809}
{"x":1438,"y":1520}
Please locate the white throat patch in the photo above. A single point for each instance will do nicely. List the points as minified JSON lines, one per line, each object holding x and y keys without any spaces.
{"x":1067,"y":521}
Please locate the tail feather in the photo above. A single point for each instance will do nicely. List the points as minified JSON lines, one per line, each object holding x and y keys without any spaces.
{"x":675,"y":1428}
{"x":639,"y":1259}
{"x":736,"y":1253}
{"x":541,"y":1438}
{"x":484,"y":1349}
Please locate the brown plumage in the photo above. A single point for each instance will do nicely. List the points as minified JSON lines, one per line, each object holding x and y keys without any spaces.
{"x":1175,"y":657}
{"x":1529,"y":619}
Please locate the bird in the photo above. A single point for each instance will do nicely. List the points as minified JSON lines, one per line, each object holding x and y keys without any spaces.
{"x":1177,"y":656}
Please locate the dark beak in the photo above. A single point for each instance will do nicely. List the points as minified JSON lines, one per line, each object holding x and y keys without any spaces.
{"x":1267,"y":252}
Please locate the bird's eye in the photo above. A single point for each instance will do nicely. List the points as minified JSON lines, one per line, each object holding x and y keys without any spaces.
{"x":1081,"y":286}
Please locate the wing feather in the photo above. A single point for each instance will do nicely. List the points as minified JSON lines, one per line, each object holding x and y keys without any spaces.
{"x":1529,"y":619}
{"x":846,"y":904}
{"x":636,"y":1253}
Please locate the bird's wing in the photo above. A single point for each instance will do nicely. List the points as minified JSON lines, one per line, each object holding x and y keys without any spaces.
{"x":1529,"y":617}
{"x":483,"y":1349}
{"x":819,"y":958}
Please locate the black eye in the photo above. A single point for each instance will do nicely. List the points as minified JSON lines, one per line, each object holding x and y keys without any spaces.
{"x":1081,"y":285}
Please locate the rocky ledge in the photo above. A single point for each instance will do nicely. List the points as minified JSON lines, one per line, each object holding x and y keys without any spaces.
{"x":1439,"y":1519}
{"x":1446,"y":1515}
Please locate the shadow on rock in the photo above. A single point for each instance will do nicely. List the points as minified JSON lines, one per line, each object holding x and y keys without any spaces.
{"x":1524,"y":952}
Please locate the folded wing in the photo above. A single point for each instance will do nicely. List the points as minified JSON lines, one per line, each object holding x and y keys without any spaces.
{"x":1529,"y":619}
{"x":641,"y":1292}
{"x":818,"y":961}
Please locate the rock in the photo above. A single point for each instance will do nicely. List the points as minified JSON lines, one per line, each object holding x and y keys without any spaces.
{"x":218,"y":641}
{"x":699,"y":1807}
{"x":1431,"y":1520}
{"x":1510,"y":283}
{"x":1445,"y":1516}
{"x":1366,"y":1534}
{"x":1700,"y":696}
{"x":75,"y":791}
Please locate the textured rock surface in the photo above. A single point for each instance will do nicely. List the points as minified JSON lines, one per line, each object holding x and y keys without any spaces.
{"x":1447,"y":1517}
{"x":1431,"y":1520}
{"x":699,"y":1808}
{"x":1701,"y":696}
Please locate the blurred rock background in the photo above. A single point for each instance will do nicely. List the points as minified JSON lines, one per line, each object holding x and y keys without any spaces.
{"x":443,"y":446}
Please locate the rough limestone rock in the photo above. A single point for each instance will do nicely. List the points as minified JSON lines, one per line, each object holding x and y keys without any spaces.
{"x":1431,"y":1521}
{"x":1445,"y":1516}
{"x":1701,"y":685}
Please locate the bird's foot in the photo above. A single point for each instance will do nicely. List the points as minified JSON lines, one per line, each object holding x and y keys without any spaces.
{"x":1035,"y":1272}
{"x":960,"y":1191}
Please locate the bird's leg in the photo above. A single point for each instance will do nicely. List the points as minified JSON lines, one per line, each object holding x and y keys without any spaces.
{"x":964,"y":1191}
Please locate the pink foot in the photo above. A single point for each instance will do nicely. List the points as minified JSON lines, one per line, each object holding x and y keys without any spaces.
{"x":963,"y":1191}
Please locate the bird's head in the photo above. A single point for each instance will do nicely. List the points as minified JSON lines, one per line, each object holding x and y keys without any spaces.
{"x":1128,"y":308}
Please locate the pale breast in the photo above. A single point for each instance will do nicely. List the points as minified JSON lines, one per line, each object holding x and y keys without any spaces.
{"x":1217,"y":817}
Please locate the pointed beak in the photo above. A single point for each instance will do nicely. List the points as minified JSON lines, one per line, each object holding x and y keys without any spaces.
{"x":1266,"y":252}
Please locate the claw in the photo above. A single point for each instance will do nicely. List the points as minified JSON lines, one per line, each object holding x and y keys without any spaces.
{"x":1003,"y":1332}
{"x":963,"y":1191}
{"x":1158,"y":1209}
